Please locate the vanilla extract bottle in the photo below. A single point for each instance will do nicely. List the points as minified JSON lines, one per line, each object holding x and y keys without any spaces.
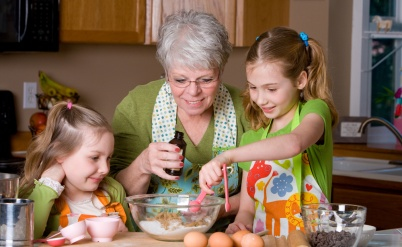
{"x":178,"y":141}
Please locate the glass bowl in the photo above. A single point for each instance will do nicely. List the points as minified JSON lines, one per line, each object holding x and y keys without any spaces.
{"x":169,"y":217}
{"x":333,"y":224}
{"x":367,"y":235}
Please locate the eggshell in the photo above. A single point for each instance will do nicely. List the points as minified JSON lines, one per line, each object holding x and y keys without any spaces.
{"x":252,"y":240}
{"x":195,"y":239}
{"x":238,"y":236}
{"x":220,"y":239}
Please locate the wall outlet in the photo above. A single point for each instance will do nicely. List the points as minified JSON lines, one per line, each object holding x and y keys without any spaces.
{"x":350,"y":129}
{"x":30,"y":89}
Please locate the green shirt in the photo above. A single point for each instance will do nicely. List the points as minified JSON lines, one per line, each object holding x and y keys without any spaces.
{"x":46,"y":217}
{"x":320,"y":155}
{"x":132,"y":125}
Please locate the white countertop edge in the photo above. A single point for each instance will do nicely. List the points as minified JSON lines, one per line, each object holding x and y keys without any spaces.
{"x":361,"y":174}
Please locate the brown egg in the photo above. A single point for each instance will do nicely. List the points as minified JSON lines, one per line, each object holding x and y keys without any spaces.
{"x":220,"y":239}
{"x":238,"y":236}
{"x":252,"y":240}
{"x":195,"y":239}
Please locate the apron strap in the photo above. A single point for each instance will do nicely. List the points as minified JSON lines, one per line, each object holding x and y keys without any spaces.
{"x":297,"y":160}
{"x":113,"y":207}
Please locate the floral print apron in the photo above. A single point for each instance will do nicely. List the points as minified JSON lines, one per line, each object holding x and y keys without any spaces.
{"x":275,"y":185}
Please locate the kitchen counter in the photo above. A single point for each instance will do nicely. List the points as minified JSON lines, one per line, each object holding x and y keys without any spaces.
{"x":369,"y":176}
{"x":21,"y":141}
{"x":123,"y":239}
{"x":374,"y":151}
{"x":390,"y":238}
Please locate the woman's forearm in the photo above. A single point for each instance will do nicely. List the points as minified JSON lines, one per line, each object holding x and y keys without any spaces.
{"x":134,"y":180}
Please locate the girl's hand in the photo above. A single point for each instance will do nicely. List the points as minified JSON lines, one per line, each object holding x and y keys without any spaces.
{"x":211,"y":173}
{"x":237,"y":226}
{"x":161,"y":155}
{"x":55,"y":172}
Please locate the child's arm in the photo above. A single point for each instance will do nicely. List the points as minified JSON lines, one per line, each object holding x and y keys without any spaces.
{"x":44,"y":198}
{"x":245,"y":216}
{"x":47,"y":189}
{"x":308,"y":132}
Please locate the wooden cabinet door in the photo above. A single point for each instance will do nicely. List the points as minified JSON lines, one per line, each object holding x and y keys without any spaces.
{"x":157,"y":10}
{"x":243,"y":19}
{"x":102,"y":21}
{"x":255,"y":17}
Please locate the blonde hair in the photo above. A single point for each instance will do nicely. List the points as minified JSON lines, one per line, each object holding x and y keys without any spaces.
{"x":62,"y":136}
{"x":284,"y":45}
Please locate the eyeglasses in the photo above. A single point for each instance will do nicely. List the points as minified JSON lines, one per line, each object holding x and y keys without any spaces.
{"x":203,"y":82}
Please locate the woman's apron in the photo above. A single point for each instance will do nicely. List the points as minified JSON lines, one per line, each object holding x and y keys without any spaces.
{"x":66,"y":215}
{"x":275,"y":187}
{"x":164,"y":122}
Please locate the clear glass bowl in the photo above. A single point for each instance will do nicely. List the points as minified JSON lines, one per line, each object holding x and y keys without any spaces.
{"x":168,"y":216}
{"x":333,"y":224}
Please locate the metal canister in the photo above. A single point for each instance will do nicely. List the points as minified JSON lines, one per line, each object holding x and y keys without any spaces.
{"x":9,"y":185}
{"x":16,"y":222}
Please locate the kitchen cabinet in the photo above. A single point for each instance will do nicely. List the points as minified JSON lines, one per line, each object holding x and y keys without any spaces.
{"x":138,"y":21}
{"x":102,"y":21}
{"x":381,"y":197}
{"x":243,"y":19}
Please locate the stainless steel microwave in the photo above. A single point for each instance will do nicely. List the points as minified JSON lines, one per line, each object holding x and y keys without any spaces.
{"x":29,"y":25}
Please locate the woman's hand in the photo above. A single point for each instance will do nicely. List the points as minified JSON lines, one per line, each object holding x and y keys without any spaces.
{"x":55,"y":172}
{"x":237,"y":226}
{"x":211,"y":173}
{"x":161,"y":155}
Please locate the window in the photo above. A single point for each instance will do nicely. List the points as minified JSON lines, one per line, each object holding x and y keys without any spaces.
{"x":385,"y":67}
{"x":376,"y":58}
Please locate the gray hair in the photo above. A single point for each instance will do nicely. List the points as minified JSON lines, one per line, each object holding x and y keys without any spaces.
{"x":193,"y":39}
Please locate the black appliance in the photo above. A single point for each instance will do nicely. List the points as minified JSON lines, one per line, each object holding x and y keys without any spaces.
{"x":29,"y":25}
{"x":8,"y":127}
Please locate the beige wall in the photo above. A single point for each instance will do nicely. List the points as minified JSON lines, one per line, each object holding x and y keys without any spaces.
{"x":311,"y":17}
{"x":340,"y":46}
{"x":102,"y":74}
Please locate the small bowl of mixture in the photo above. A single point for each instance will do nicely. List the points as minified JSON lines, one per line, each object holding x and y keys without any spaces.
{"x":170,"y":217}
{"x":333,"y":224}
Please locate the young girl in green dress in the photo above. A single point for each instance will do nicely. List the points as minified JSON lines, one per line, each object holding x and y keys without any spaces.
{"x":287,"y":156}
{"x":66,"y":171}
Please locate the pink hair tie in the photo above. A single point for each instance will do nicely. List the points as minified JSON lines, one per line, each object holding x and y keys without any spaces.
{"x":69,"y":105}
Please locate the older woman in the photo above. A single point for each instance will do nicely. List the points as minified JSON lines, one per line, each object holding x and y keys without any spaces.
{"x":193,"y":49}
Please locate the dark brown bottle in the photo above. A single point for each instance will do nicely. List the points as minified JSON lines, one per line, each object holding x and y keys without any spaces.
{"x":178,"y":141}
